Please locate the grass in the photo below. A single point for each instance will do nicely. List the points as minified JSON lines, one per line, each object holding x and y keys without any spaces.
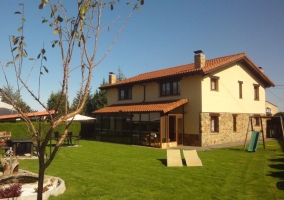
{"x":99,"y":170}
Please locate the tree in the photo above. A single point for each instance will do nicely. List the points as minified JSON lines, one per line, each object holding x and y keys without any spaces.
{"x":16,"y":96}
{"x":120,"y":75}
{"x":78,"y":99}
{"x":54,"y":103}
{"x":281,"y":114}
{"x":99,"y":99}
{"x":77,"y":33}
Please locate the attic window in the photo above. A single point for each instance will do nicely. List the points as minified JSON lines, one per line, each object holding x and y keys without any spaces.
{"x":214,"y":83}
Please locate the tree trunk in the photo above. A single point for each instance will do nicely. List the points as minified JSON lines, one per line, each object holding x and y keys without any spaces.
{"x":40,"y":176}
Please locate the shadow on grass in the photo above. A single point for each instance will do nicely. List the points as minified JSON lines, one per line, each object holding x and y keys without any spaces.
{"x":279,"y":166}
{"x":281,"y":143}
{"x":280,"y":185}
{"x":164,"y":162}
{"x":236,"y":149}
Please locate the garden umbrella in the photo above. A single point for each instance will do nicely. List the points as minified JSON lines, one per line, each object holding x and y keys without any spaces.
{"x":79,"y":117}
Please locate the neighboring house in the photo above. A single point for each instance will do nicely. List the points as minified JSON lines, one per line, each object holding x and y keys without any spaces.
{"x":6,"y":109}
{"x":32,"y":115}
{"x":270,"y":109}
{"x":274,"y":127}
{"x":204,"y":103}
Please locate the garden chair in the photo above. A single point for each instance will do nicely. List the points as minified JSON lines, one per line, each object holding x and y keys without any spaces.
{"x":76,"y":139}
{"x":56,"y":136}
{"x":69,"y":138}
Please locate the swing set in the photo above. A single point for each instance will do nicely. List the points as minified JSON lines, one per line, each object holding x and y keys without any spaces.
{"x":256,"y":134}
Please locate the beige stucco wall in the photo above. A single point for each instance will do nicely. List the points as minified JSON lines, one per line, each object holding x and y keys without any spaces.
{"x":151,"y":94}
{"x":227,"y":98}
{"x":191,"y":89}
{"x":274,"y":108}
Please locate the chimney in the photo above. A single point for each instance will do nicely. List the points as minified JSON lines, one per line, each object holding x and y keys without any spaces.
{"x":260,"y":68}
{"x":199,"y":59}
{"x":111,"y":78}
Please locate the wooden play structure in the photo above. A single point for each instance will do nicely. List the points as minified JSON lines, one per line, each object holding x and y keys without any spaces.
{"x":256,"y":134}
{"x":4,"y":137}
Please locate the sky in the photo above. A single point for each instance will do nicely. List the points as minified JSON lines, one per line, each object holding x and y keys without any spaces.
{"x":162,"y":34}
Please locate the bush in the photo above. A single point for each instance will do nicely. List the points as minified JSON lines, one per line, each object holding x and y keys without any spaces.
{"x":14,"y":190}
{"x":19,"y":129}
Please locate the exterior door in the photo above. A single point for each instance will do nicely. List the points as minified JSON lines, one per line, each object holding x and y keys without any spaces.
{"x":175,"y":133}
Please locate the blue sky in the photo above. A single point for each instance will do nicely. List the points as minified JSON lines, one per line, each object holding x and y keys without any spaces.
{"x":163,"y":34}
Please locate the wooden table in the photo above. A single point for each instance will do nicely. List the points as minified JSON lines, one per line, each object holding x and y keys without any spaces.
{"x":21,"y":144}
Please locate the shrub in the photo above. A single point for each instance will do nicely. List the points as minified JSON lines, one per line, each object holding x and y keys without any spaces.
{"x":14,"y":190}
{"x":19,"y":129}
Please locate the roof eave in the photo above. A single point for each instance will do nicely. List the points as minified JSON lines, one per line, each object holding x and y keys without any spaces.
{"x":267,"y":82}
{"x":105,"y":87}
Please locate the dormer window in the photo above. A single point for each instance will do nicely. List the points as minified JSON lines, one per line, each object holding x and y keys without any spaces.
{"x":125,"y":93}
{"x":170,"y":88}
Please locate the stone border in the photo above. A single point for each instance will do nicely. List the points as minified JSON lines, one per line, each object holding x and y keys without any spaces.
{"x":59,"y":189}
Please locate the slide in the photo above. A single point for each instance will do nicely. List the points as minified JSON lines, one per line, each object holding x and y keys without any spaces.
{"x":254,"y":141}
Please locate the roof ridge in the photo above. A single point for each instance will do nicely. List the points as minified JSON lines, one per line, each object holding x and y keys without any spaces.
{"x":232,"y":55}
{"x":210,"y":65}
{"x":183,"y":65}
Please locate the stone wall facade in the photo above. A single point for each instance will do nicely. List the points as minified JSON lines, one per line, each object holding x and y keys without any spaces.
{"x":226,"y":134}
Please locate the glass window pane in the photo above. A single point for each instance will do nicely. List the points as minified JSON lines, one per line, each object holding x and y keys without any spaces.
{"x":212,"y":124}
{"x":168,"y":88}
{"x":122,"y":94}
{"x":175,"y":88}
{"x":163,"y":89}
{"x":130,"y":93}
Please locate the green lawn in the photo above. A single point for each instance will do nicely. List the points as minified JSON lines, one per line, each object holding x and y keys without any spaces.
{"x":99,"y":170}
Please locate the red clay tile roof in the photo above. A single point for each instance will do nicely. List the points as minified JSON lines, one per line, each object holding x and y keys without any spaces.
{"x":189,"y":69}
{"x":32,"y":114}
{"x":164,"y":107}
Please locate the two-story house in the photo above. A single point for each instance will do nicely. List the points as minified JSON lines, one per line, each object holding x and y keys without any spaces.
{"x":203,"y":103}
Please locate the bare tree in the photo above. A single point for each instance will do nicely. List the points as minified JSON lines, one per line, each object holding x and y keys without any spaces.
{"x":79,"y":32}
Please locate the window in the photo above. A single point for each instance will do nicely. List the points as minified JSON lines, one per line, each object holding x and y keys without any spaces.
{"x":240,"y":89}
{"x":257,"y":120}
{"x":176,"y":87}
{"x":268,"y":111}
{"x":170,"y":88}
{"x":125,"y":93}
{"x":214,"y":83}
{"x":234,"y":122}
{"x":214,"y":122}
{"x":256,"y":91}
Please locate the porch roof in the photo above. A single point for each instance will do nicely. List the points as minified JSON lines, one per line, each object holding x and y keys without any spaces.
{"x":31,"y":114}
{"x":164,"y":107}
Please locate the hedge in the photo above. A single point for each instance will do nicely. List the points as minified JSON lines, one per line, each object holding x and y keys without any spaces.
{"x":19,"y":129}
